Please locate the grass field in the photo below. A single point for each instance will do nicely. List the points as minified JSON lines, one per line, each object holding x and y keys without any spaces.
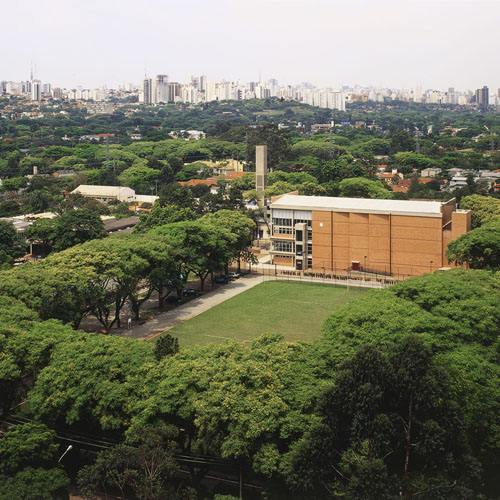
{"x":296,"y":310}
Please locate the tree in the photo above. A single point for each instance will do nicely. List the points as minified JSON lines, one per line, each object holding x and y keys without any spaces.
{"x":144,"y":465}
{"x":239,"y":225}
{"x":390,"y":427}
{"x":173,"y":194}
{"x":158,"y":270}
{"x":140,"y":178}
{"x":85,"y":381}
{"x":479,"y":248}
{"x":401,"y":141}
{"x":77,"y":226}
{"x":159,"y":216}
{"x":484,"y":208}
{"x":10,"y":244}
{"x":359,"y":187}
{"x":166,"y":345}
{"x":202,"y":249}
{"x":408,"y":161}
{"x":277,"y":141}
{"x":28,"y":464}
{"x":42,"y":231}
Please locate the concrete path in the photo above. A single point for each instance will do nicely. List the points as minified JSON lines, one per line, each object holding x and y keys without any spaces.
{"x":167,"y":320}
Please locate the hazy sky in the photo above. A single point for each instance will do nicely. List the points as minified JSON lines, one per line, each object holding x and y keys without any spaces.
{"x":438,"y":44}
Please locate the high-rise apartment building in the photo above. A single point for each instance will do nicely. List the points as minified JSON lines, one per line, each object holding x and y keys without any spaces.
{"x":36,"y":90}
{"x":483,"y":97}
{"x":147,"y":88}
{"x":161,"y":95}
{"x":174,"y":90}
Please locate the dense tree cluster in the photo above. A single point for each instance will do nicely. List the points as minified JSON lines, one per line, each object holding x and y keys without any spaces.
{"x":399,"y":397}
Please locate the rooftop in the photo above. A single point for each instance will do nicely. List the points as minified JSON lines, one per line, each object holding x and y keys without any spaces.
{"x":108,"y":191}
{"x":359,"y":205}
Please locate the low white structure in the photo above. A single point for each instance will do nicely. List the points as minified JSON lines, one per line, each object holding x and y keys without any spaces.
{"x":108,"y":193}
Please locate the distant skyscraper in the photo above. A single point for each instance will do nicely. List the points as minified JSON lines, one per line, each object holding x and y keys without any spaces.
{"x":417,"y":94}
{"x":147,"y":87}
{"x":203,"y":82}
{"x":36,"y":90}
{"x":483,"y":97}
{"x":161,"y":89}
{"x":174,"y":90}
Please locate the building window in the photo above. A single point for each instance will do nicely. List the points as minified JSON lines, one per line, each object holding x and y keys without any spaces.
{"x":309,"y":235}
{"x":309,"y":263}
{"x":309,"y":248}
{"x":282,"y":222}
{"x":298,"y":250}
{"x":283,"y":246}
{"x":298,"y":235}
{"x":283,"y":230}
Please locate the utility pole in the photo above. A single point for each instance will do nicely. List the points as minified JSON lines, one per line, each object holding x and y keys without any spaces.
{"x":107,"y":151}
{"x":246,"y":150}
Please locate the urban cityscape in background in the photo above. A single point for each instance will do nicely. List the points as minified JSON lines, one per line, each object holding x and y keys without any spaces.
{"x":199,"y":89}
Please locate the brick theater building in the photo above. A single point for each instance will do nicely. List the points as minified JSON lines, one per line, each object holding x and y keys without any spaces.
{"x":394,"y":237}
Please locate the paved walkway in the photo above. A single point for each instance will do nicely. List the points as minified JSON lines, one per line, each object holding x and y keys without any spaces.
{"x":167,"y":320}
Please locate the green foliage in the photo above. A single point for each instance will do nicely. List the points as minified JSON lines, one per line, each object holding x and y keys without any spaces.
{"x":28,"y":464}
{"x":364,"y":188}
{"x":484,"y":208}
{"x":389,"y":420}
{"x":479,"y":248}
{"x":36,"y":484}
{"x":159,"y":216}
{"x":166,"y":345}
{"x":235,"y":401}
{"x":10,"y":244}
{"x":456,"y":314}
{"x":144,"y":465}
{"x":140,"y":178}
{"x":77,"y":226}
{"x":86,"y":381}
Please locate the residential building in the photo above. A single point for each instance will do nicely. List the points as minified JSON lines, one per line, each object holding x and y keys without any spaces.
{"x":36,"y":90}
{"x":430,"y":172}
{"x":482,"y":97}
{"x":395,"y":237}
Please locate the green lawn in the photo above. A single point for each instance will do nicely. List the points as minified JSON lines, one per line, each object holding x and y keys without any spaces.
{"x":296,"y":310}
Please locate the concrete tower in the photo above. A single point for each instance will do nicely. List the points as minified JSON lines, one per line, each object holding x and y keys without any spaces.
{"x":261,"y":168}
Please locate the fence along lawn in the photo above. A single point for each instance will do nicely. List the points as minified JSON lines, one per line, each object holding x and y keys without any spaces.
{"x":296,"y":310}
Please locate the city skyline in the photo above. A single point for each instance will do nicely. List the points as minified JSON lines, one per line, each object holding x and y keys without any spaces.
{"x":384,"y":43}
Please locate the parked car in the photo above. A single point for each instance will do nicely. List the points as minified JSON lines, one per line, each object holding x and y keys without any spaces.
{"x":233,"y":276}
{"x":191,"y":292}
{"x":222,"y":280}
{"x":172,"y":299}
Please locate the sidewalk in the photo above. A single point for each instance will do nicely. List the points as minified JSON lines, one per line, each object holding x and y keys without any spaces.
{"x":167,"y":320}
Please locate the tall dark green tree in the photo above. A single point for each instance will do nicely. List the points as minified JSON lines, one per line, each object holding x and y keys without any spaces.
{"x":390,"y":428}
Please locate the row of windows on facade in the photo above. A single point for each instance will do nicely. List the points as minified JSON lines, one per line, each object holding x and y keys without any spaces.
{"x":289,"y":222}
{"x":290,"y":247}
{"x":289,"y":230}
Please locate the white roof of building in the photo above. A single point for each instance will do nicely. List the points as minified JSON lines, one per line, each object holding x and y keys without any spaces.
{"x":359,"y":205}
{"x":105,"y":191}
{"x":145,"y":198}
